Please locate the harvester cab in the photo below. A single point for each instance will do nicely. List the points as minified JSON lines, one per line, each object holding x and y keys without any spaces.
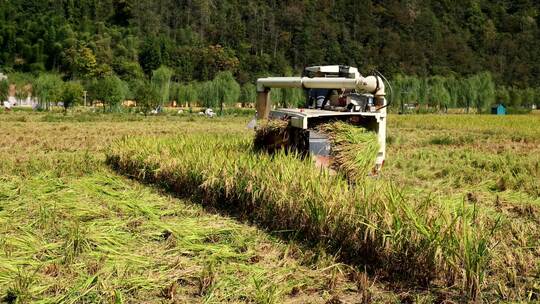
{"x":333,"y":93}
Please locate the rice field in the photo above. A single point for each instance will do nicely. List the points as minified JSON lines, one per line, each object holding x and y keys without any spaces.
{"x":181,"y":209}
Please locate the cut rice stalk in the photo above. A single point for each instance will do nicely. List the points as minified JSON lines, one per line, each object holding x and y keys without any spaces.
{"x":354,"y":149}
{"x":271,"y":135}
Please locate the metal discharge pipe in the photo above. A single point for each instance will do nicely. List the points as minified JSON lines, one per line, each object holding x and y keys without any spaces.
{"x":370,"y":84}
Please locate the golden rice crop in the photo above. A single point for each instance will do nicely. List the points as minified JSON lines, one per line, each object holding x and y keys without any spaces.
{"x":369,"y":223}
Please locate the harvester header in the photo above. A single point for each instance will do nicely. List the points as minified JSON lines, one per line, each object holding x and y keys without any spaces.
{"x":333,"y":93}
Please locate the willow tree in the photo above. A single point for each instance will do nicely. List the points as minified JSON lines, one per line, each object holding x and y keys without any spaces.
{"x":24,"y":83}
{"x":516,"y":98}
{"x":208,"y":94}
{"x":187,"y":94}
{"x":248,"y":94}
{"x":292,"y":97}
{"x":502,"y":95}
{"x":227,"y":89}
{"x":406,"y":90}
{"x":161,"y":79}
{"x":438,"y":94}
{"x":452,"y":86}
{"x":413,"y":88}
{"x":173,"y":92}
{"x":4,"y":90}
{"x":423,"y":91}
{"x":276,"y":95}
{"x":485,"y":87}
{"x":529,"y":96}
{"x":469,"y":92}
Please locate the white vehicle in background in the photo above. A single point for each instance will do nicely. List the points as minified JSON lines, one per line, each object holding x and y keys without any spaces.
{"x":208,"y":113}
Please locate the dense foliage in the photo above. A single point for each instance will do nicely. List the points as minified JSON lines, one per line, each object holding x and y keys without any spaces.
{"x":199,"y":38}
{"x":72,"y":94}
{"x":469,"y":54}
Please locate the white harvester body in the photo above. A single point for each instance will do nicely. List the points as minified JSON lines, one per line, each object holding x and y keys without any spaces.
{"x":365,"y":104}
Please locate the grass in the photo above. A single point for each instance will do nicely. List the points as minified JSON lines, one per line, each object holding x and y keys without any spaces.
{"x":72,"y":231}
{"x":492,"y":164}
{"x":466,"y":211}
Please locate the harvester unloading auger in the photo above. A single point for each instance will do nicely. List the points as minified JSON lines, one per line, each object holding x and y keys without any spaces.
{"x":333,"y":93}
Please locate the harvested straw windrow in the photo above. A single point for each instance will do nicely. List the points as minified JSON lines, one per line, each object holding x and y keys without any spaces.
{"x":271,"y":135}
{"x":353,"y":149}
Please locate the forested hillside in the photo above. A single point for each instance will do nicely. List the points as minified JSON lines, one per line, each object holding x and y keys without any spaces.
{"x":197,"y":38}
{"x":466,"y":53}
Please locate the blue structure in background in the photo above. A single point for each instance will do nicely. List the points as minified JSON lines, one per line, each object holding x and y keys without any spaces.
{"x":498,"y":109}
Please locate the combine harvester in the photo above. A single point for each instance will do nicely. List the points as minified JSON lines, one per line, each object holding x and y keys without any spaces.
{"x":333,"y":93}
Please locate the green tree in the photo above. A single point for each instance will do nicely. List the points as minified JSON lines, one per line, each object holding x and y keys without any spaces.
{"x":82,"y":62}
{"x":215,"y":60}
{"x":161,"y":79}
{"x":150,"y":57}
{"x":227,"y":89}
{"x":147,"y":96}
{"x":128,"y":70}
{"x":110,"y":90}
{"x":72,"y":94}
{"x":48,"y":89}
{"x":198,"y":39}
{"x":4,"y":90}
{"x":248,"y":94}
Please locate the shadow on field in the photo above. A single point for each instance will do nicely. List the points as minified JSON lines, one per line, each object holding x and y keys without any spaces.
{"x":365,"y":261}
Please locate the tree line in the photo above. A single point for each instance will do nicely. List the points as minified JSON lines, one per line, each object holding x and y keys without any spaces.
{"x":477,"y":91}
{"x":435,"y":93}
{"x":158,"y":91}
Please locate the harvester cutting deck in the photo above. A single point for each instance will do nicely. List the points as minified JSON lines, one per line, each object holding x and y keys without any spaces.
{"x":333,"y":93}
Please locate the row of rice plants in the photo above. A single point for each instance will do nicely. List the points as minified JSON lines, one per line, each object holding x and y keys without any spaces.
{"x":370,"y":223}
